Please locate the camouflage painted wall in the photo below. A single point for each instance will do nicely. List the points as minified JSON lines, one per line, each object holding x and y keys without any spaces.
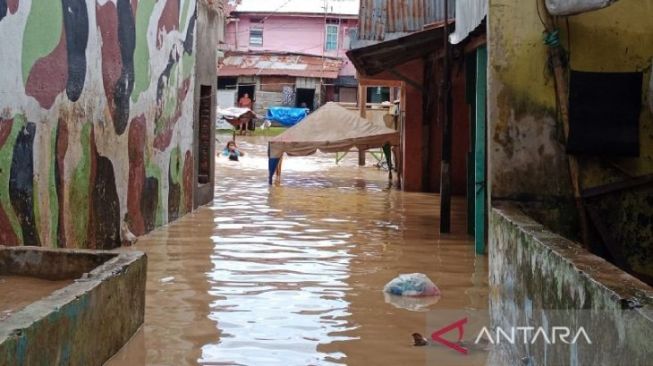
{"x":96,"y":118}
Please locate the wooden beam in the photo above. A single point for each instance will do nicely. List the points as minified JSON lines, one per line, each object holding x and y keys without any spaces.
{"x":362,"y":102}
{"x":618,"y":186}
{"x":557,"y":57}
{"x":406,"y":79}
{"x":475,"y":42}
{"x":380,"y":82}
{"x":447,"y":125}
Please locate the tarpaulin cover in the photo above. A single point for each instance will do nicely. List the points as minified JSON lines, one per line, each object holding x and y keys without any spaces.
{"x":469,"y":15}
{"x":286,"y":116}
{"x":331,"y":128}
{"x":237,"y":116}
{"x":570,"y":7}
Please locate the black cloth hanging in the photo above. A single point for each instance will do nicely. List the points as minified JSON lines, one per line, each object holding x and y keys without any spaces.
{"x":604,"y":110}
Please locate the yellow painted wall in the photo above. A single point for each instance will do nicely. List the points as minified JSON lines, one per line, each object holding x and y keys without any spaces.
{"x":527,"y":158}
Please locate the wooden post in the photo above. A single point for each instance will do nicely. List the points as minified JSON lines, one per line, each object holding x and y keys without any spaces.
{"x":447,"y":119}
{"x":362,"y":104}
{"x":362,"y":100}
{"x":562,"y":95}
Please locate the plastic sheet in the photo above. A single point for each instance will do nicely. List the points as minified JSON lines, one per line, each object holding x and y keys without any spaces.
{"x":469,"y":15}
{"x":286,"y":116}
{"x":413,"y":284}
{"x":570,"y":7}
{"x":411,"y":303}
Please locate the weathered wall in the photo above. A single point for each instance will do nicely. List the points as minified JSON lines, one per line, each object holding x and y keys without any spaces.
{"x":533,"y":269}
{"x":208,"y":24}
{"x":96,"y":118}
{"x":527,"y":158}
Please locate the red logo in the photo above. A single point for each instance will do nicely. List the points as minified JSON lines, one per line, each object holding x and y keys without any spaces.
{"x":437,"y":335}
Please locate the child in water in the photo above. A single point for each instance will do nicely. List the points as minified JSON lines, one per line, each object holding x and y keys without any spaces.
{"x":231,"y":150}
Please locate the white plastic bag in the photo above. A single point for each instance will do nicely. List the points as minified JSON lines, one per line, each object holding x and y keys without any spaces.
{"x":570,"y":7}
{"x":413,"y":284}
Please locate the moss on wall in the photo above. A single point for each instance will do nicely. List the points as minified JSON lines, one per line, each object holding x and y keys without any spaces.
{"x":527,"y":156}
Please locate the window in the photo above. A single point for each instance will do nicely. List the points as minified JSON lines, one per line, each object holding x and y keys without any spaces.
{"x":256,"y":36}
{"x":331,"y":41}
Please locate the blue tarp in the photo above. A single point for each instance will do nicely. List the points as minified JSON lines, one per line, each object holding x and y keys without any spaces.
{"x":286,"y":116}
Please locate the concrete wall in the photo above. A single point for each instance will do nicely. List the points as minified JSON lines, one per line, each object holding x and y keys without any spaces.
{"x":96,"y":118}
{"x":84,"y":323}
{"x":303,"y":34}
{"x":208,"y":35}
{"x":533,"y":269}
{"x":525,"y":142}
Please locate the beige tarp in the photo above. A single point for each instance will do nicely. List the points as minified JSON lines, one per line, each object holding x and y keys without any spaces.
{"x":331,"y":128}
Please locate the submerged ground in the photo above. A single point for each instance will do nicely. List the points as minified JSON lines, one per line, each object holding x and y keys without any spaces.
{"x":293,"y":274}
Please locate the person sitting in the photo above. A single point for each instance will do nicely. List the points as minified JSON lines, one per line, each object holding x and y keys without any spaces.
{"x":231,"y":150}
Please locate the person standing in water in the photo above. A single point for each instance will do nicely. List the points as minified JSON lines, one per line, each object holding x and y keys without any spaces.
{"x":244,"y":102}
{"x":231,"y":150}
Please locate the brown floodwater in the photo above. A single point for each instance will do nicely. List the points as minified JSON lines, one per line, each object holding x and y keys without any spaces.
{"x":293,"y":274}
{"x":16,"y":292}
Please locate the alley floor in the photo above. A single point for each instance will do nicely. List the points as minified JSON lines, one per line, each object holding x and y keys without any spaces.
{"x":293,"y":274}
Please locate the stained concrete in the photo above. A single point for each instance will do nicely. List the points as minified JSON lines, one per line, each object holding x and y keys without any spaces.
{"x":533,"y":269}
{"x":84,"y":323}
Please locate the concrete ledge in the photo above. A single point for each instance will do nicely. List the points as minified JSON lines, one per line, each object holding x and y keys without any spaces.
{"x":533,"y":269}
{"x":84,"y":323}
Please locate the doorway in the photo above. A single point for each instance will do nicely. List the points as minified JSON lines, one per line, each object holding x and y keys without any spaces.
{"x":305,"y":96}
{"x":246,"y":89}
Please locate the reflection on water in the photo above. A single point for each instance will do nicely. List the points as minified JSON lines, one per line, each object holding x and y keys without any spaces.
{"x":292,"y":274}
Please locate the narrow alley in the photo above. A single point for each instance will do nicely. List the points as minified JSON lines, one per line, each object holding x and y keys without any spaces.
{"x":326,"y":182}
{"x":295,"y":272}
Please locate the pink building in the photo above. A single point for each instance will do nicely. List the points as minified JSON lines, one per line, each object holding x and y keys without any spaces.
{"x":274,"y":48}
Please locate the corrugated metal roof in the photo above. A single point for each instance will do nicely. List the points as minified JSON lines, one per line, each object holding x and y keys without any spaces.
{"x":341,"y":7}
{"x":279,"y":63}
{"x":378,"y":18}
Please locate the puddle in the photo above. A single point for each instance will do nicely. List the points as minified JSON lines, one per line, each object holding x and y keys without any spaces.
{"x":292,"y":275}
{"x":20,"y":291}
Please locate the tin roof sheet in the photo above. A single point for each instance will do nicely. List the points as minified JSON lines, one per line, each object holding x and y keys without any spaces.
{"x":380,"y":18}
{"x":279,"y":63}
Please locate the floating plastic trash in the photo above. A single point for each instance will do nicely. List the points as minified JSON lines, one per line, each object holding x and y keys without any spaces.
{"x":413,"y":284}
{"x":411,"y":303}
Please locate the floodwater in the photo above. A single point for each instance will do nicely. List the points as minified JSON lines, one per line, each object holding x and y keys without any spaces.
{"x":293,"y":274}
{"x":16,"y":292}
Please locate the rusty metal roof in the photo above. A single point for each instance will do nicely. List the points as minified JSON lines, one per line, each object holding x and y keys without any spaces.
{"x":379,"y":18}
{"x":279,"y":63}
